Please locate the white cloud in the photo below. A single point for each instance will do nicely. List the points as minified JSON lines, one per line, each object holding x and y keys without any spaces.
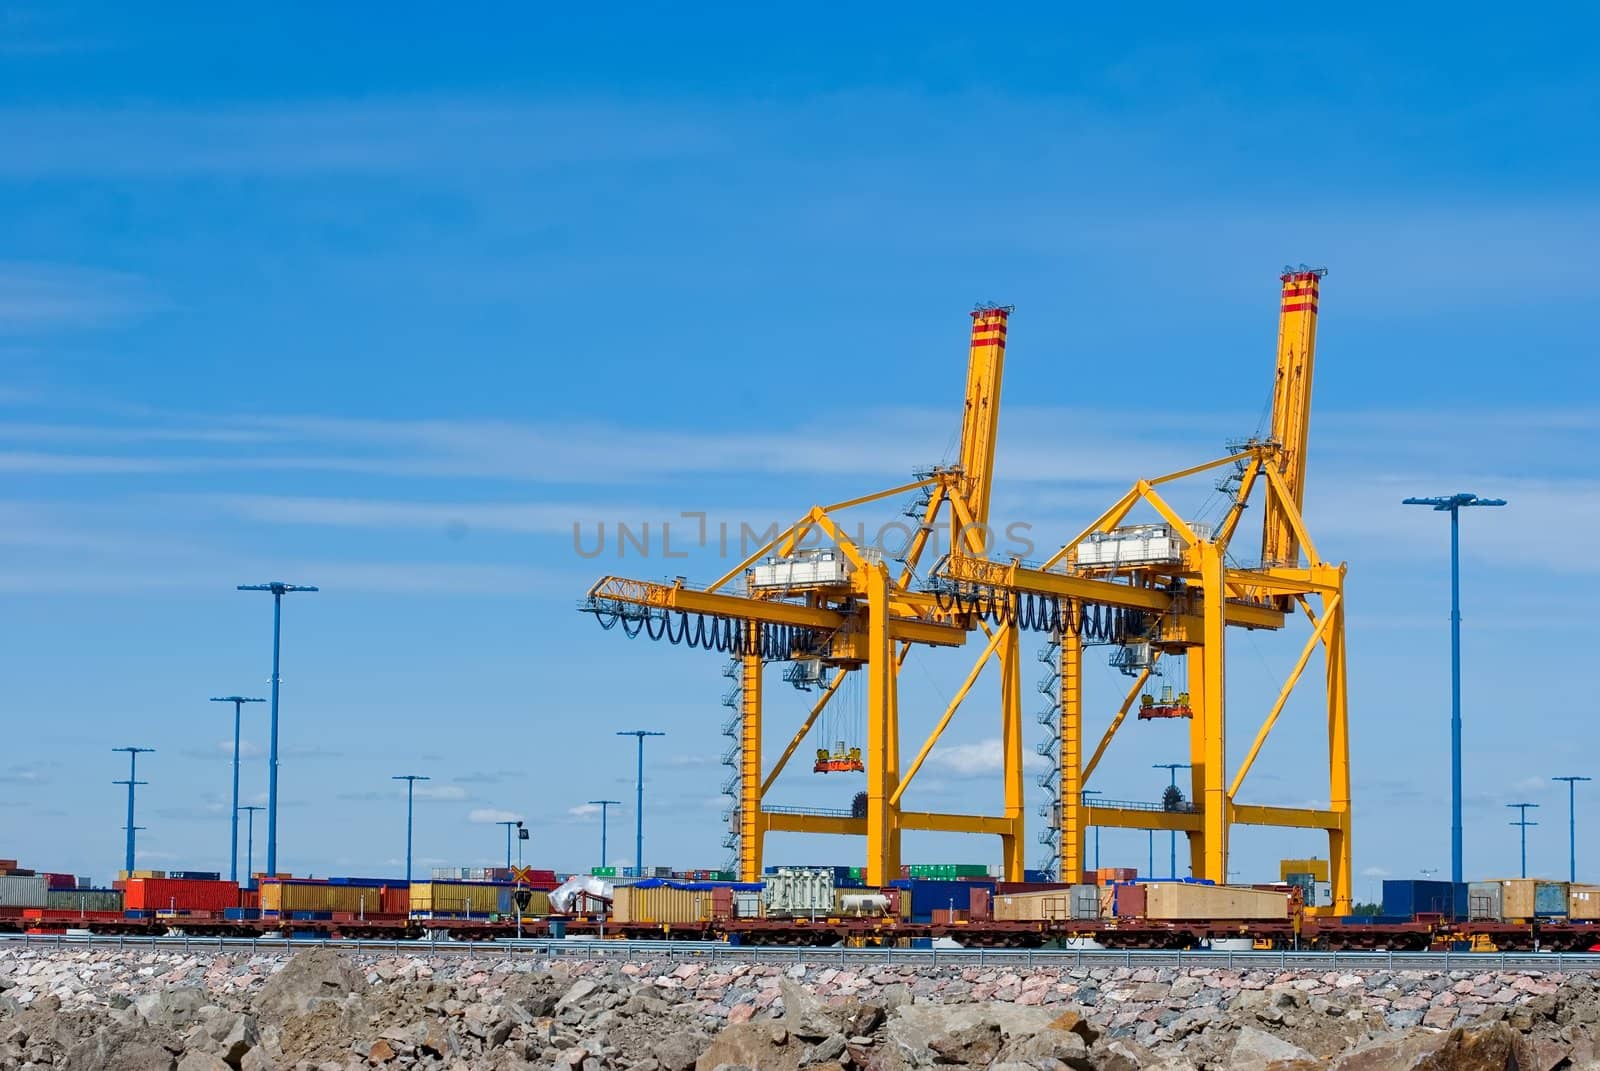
{"x":978,"y":759}
{"x":426,"y":791}
{"x":584,"y":810}
{"x":491,"y":815}
{"x":1374,"y":872}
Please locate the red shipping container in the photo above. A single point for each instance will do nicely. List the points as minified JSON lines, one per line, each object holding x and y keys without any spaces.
{"x":60,"y":881}
{"x":396,"y":899}
{"x":175,"y":894}
{"x":1130,"y":901}
{"x":249,"y":897}
{"x":943,"y":916}
{"x":8,"y":864}
{"x":978,"y":906}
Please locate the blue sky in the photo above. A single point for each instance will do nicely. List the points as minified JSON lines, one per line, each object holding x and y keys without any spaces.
{"x":388,"y":304}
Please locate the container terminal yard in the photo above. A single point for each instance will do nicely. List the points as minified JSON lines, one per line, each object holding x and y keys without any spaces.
{"x":822,"y":609}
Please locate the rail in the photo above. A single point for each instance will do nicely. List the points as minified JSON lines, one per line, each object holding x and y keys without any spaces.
{"x":720,"y":952}
{"x":819,"y":812}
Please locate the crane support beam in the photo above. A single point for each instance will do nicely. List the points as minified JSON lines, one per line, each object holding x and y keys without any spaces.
{"x":1318,"y":635}
{"x":980,"y":423}
{"x":677,"y":597}
{"x":1249,"y":814}
{"x":1072,"y":776}
{"x":950,"y":710}
{"x":930,"y":821}
{"x":958,"y":823}
{"x":1017,"y":577}
{"x":836,"y":825}
{"x":1134,"y":818}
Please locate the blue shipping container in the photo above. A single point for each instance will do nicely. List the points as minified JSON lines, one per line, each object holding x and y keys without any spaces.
{"x":194,"y":875}
{"x":928,"y":895}
{"x":241,"y":913}
{"x":1407,"y":898}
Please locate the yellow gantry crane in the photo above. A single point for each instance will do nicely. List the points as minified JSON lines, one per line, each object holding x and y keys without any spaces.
{"x":814,"y":594}
{"x":1174,"y":589}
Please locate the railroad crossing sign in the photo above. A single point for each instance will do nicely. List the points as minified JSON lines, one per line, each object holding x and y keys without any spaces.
{"x":522,"y":875}
{"x":523,"y":897}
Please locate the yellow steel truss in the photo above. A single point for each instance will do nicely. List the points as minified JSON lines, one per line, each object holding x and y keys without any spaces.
{"x":868,"y":626}
{"x":1192,"y":603}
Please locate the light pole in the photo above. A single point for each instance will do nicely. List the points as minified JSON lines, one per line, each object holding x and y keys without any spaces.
{"x":603,"y":805}
{"x":411,"y":780}
{"x":1522,"y":820}
{"x":1572,"y":823}
{"x":1172,"y":836}
{"x":1453,"y":505}
{"x":133,"y":779}
{"x":238,"y":702}
{"x":1084,"y":803}
{"x":522,"y":834}
{"x":638,"y":835}
{"x":250,"y":845}
{"x":279,"y":589}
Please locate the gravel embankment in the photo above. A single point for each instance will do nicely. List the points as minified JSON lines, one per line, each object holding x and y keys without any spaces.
{"x":105,"y":1009}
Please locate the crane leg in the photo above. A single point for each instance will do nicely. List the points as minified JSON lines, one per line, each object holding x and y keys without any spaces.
{"x":750,"y":828}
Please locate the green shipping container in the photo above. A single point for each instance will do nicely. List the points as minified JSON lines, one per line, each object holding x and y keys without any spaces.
{"x":84,"y":899}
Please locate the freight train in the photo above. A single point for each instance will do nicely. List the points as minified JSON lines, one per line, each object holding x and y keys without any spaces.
{"x":807,"y":908}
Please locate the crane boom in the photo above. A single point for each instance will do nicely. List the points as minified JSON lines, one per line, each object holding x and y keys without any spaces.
{"x":1291,"y":409}
{"x":979,"y":424}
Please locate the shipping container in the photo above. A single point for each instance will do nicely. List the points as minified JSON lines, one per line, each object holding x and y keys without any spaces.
{"x":23,"y":891}
{"x":1484,"y":899}
{"x":949,"y":918}
{"x":1407,"y":898}
{"x":195,"y":875}
{"x":287,"y":897}
{"x":242,"y":914}
{"x":1062,"y":902}
{"x":60,"y":881}
{"x":1528,"y":898}
{"x":927,"y":896}
{"x":1181,"y":900}
{"x":460,"y":897}
{"x":979,"y":903}
{"x":84,"y":900}
{"x":396,"y":899}
{"x":171,"y":894}
{"x":1583,"y":903}
{"x":538,"y":902}
{"x":661,"y":904}
{"x":1317,"y":868}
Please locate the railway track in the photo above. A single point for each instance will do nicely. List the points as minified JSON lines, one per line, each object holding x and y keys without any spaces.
{"x":718,"y":952}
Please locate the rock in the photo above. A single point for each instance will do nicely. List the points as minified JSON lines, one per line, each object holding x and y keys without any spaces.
{"x":913,"y":1027}
{"x":201,"y":1061}
{"x":976,"y":1044}
{"x":1049,"y":1044}
{"x":234,"y":1035}
{"x":177,"y":1006}
{"x":1547,"y":1054}
{"x":1255,"y":1049}
{"x":750,"y":1045}
{"x":315,"y":975}
{"x":117,"y":1049}
{"x":381,"y":1052}
{"x":1077,"y":1024}
{"x":679,"y":1050}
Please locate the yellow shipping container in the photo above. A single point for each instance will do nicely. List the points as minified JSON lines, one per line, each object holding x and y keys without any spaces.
{"x":438,"y":897}
{"x":1583,"y":902}
{"x":538,"y":904}
{"x":1171,"y":900}
{"x":1317,"y":868}
{"x":316,"y":896}
{"x":661,"y":905}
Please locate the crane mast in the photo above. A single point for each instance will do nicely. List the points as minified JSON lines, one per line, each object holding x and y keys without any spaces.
{"x":1291,"y":409}
{"x":980,"y":425}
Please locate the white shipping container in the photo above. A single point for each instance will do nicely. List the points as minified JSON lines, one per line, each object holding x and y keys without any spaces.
{"x":23,"y":892}
{"x":1321,"y":894}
